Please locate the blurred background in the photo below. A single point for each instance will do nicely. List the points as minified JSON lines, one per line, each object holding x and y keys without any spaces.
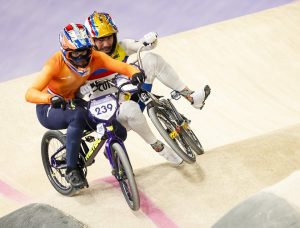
{"x":29,"y":29}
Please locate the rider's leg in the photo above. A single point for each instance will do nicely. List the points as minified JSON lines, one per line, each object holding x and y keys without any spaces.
{"x":75,"y":123}
{"x":156,"y":67}
{"x":131,"y":117}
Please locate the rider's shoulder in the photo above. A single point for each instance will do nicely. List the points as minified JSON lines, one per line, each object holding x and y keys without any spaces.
{"x":98,"y":54}
{"x":56,"y":56}
{"x":55,"y":59}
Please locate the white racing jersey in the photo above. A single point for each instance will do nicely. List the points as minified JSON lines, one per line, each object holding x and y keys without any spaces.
{"x":102,"y":87}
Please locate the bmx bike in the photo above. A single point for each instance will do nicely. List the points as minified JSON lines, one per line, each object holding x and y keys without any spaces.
{"x":172,"y":125}
{"x":102,"y":111}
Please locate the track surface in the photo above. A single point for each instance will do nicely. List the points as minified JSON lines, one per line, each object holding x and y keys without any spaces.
{"x":250,"y":129}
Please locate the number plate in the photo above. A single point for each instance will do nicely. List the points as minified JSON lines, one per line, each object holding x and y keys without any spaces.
{"x":103,"y":108}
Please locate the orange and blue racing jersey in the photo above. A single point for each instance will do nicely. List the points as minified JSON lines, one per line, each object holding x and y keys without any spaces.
{"x":57,"y":78}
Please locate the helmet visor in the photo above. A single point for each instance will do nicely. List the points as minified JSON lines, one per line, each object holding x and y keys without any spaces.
{"x":79,"y":58}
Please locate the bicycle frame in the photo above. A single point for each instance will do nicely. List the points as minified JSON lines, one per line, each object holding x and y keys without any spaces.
{"x":108,"y":139}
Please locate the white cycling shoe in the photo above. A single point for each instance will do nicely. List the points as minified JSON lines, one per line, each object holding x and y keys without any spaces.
{"x":170,"y":156}
{"x":199,"y":97}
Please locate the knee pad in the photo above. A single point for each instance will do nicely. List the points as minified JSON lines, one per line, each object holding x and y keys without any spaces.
{"x":129,"y":110}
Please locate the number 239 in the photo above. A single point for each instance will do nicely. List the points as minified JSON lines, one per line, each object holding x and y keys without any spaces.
{"x":103,"y":109}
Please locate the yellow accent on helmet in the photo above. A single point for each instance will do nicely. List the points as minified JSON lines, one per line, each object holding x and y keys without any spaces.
{"x":100,"y":25}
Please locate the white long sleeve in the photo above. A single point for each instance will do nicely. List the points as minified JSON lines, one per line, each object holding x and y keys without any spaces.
{"x":131,"y":46}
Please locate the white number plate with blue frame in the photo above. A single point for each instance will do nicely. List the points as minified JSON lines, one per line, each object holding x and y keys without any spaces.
{"x":104,"y":108}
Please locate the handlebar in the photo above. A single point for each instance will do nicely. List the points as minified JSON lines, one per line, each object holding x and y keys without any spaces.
{"x":72,"y":103}
{"x":138,"y":53}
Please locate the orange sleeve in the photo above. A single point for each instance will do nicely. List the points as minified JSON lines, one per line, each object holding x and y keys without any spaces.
{"x":118,"y":66}
{"x":37,"y":93}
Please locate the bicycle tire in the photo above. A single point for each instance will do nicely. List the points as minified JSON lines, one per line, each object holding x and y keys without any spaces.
{"x":123,"y":166}
{"x":154,"y":114}
{"x":189,"y":135}
{"x":55,"y":176}
{"x":193,"y":141}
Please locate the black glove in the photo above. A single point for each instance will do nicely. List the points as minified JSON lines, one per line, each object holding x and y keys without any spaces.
{"x":58,"y":102}
{"x":138,"y":78}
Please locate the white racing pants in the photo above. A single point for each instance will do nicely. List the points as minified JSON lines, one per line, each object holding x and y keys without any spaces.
{"x":156,"y":67}
{"x":130,"y":114}
{"x":131,"y":117}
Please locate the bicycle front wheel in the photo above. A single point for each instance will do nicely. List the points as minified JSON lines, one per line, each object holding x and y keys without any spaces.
{"x":124,"y":174}
{"x":168,"y":130}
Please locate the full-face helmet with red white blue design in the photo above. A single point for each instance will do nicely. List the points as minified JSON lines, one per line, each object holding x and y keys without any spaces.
{"x":76,"y":47}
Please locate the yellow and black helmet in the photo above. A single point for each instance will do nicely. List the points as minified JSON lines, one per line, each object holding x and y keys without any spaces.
{"x":100,"y":25}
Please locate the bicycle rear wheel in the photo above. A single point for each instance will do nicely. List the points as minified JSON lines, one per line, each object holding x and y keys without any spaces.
{"x":124,"y":174}
{"x":193,"y":141}
{"x":53,"y":142}
{"x":167,"y":128}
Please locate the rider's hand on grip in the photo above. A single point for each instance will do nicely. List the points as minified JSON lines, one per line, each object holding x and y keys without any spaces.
{"x":150,"y":38}
{"x":138,"y":78}
{"x":85,"y":89}
{"x":58,"y":102}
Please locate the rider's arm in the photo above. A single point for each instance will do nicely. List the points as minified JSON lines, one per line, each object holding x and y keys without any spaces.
{"x":131,"y":46}
{"x":118,"y":66}
{"x":35,"y":93}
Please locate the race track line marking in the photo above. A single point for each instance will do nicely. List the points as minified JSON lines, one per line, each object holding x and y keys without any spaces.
{"x":13,"y":194}
{"x":156,"y":215}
